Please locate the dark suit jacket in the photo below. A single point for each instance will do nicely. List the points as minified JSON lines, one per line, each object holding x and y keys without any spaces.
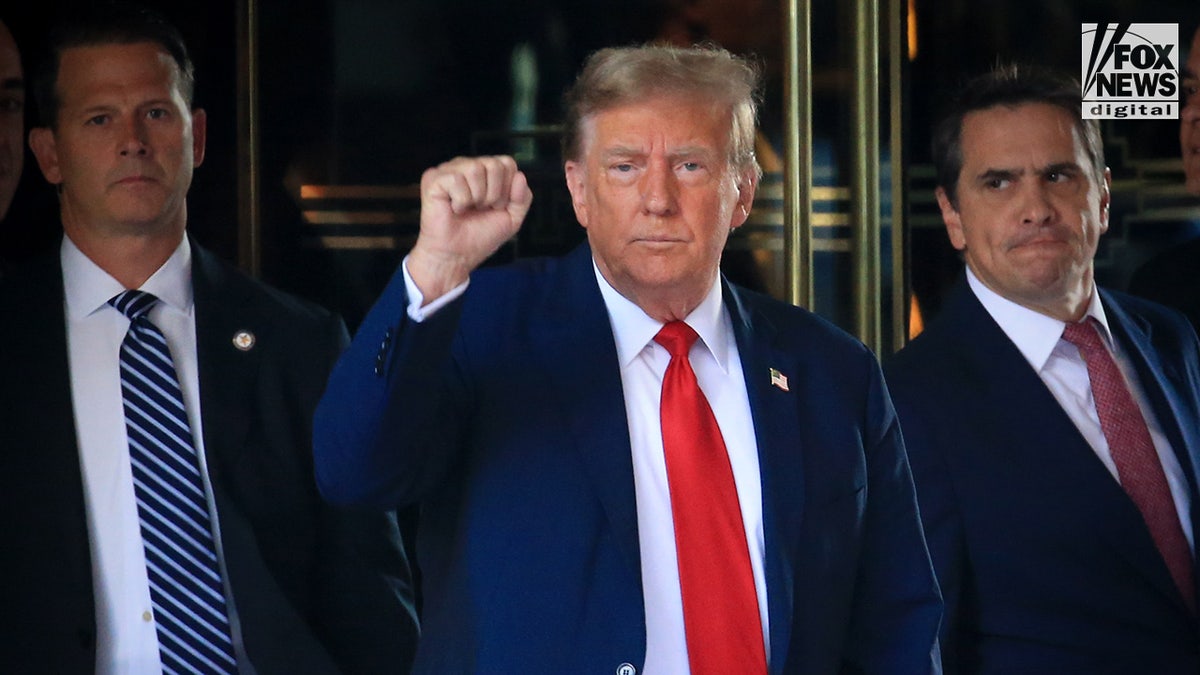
{"x":316,"y":589}
{"x":1045,"y":564}
{"x":503,"y":417}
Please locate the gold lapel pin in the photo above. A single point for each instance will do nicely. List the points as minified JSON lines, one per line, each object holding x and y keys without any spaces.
{"x":244,"y":340}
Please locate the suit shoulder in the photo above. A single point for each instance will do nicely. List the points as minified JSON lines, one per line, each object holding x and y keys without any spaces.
{"x":518,"y":279}
{"x":786,"y":315}
{"x":1158,"y":314}
{"x":810,"y":330}
{"x":929,"y":363}
{"x":31,"y":279}
{"x":227,"y":281}
{"x":522,"y":296}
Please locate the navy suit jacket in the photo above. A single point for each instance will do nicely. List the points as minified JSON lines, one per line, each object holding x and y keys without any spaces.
{"x":317,"y":590}
{"x":502,"y":415}
{"x":1045,"y":563}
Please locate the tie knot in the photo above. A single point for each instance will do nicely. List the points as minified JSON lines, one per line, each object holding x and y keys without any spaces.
{"x":1085,"y":335}
{"x":133,"y":304}
{"x":677,"y":337}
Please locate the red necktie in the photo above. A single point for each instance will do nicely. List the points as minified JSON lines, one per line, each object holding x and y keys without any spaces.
{"x":720,"y":606}
{"x":1140,"y":471}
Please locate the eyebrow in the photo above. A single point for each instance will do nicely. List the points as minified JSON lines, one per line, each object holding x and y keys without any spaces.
{"x":1063,"y":167}
{"x":992,"y":174}
{"x":12,"y":83}
{"x":685,"y":151}
{"x":620,"y":151}
{"x":1057,"y":167}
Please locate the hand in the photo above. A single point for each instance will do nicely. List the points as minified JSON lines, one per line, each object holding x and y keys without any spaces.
{"x":470,"y":206}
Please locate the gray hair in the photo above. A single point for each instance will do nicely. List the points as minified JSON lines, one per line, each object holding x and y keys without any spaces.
{"x":613,"y":77}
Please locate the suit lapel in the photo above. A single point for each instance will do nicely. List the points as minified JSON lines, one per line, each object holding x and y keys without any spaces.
{"x":777,"y":430}
{"x":1162,"y":383}
{"x":582,"y":355}
{"x":227,"y":374}
{"x":1165,"y":389}
{"x":1051,"y":452}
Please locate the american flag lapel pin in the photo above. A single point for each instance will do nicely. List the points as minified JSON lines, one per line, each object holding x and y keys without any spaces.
{"x":778,"y":379}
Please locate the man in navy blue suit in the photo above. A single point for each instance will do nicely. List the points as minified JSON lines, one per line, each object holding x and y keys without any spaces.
{"x":520,"y":407}
{"x":1053,"y":426}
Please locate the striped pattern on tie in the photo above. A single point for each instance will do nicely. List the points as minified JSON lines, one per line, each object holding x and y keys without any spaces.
{"x":181,"y":562}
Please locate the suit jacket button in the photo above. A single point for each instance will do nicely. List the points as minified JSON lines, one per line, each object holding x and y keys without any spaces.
{"x":384,"y":345}
{"x":626,"y":669}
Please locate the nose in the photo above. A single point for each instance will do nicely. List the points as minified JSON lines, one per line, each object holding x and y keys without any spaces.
{"x":133,"y":141}
{"x":659,"y":189}
{"x":1037,"y":208}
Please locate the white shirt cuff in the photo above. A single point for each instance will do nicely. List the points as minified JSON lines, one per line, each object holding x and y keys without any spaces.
{"x":417,"y":309}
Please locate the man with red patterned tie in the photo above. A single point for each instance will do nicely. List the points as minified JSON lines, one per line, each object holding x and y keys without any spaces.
{"x":624,"y":463}
{"x":1053,"y":426}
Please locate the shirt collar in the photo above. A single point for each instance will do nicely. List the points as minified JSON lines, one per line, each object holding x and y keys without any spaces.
{"x":88,"y":288}
{"x":633,"y":329}
{"x":1035,"y":334}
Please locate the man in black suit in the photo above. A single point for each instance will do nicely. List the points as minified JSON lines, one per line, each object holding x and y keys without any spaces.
{"x":306,"y":588}
{"x":1053,"y":427}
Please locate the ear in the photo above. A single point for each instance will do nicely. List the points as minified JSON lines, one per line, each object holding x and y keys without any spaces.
{"x":576,"y":179}
{"x":41,"y":142}
{"x":199,"y":135}
{"x":1105,"y":200}
{"x":952,"y":220}
{"x":747,"y":185}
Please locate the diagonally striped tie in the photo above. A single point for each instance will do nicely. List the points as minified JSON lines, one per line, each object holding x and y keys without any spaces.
{"x":181,"y":561}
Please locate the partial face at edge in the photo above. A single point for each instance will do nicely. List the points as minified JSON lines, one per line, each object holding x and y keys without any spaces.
{"x":1189,"y":118}
{"x":12,"y":119}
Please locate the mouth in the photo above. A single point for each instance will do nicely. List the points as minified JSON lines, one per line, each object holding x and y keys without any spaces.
{"x":659,"y":239}
{"x":136,"y":181}
{"x":659,"y":244}
{"x":1040,"y":241}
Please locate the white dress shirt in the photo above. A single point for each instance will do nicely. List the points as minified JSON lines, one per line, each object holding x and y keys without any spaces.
{"x":126,"y":637}
{"x":1059,"y":364}
{"x":718,"y":367}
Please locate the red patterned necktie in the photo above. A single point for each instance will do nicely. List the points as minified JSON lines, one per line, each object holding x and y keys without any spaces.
{"x":720,"y":605}
{"x":1140,"y":471}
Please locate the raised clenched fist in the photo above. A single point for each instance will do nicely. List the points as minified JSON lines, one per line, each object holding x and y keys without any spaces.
{"x":470,"y":206}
